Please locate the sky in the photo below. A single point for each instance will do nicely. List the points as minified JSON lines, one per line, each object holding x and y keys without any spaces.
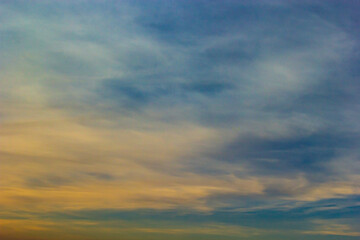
{"x":179,"y":119}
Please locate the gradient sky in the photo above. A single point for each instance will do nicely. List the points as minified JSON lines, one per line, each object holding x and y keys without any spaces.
{"x":174,"y":119}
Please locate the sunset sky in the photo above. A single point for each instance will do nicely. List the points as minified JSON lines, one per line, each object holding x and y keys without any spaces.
{"x":179,"y":120}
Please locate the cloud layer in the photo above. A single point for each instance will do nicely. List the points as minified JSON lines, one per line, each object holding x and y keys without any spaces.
{"x":179,"y":120}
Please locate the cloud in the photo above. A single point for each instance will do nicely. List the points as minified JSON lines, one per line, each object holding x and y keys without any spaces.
{"x":330,"y":228}
{"x":224,"y":110}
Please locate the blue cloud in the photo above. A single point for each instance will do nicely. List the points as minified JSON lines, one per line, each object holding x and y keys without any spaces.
{"x":304,"y":153}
